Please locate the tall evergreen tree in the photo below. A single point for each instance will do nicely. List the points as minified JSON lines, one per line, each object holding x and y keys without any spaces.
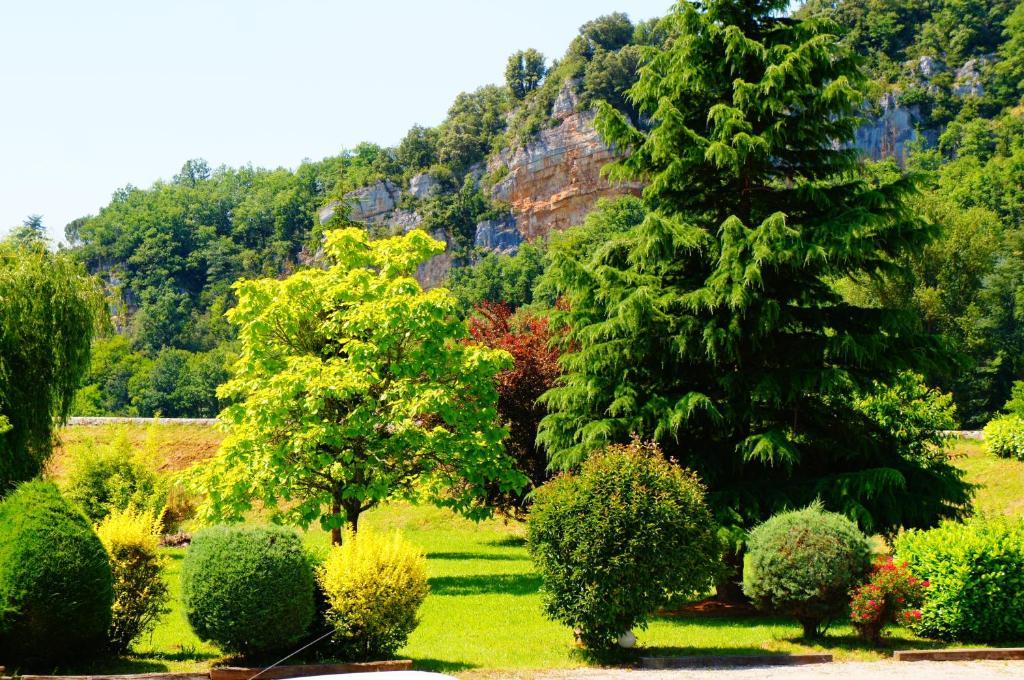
{"x":714,"y":327}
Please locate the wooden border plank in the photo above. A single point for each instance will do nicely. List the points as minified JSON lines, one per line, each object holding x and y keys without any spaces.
{"x":745,"y":660}
{"x":980,"y":654}
{"x":285,"y":672}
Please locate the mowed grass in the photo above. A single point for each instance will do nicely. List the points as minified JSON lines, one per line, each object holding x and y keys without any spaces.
{"x":485,"y":611}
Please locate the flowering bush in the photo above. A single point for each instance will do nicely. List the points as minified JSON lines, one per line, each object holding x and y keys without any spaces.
{"x":891,"y":595}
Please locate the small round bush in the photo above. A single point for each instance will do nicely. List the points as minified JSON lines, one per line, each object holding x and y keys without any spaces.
{"x":55,"y":580}
{"x":373,"y":586}
{"x":804,"y":563}
{"x":616,"y":541}
{"x":1004,"y":437}
{"x":140,"y":594}
{"x":248,"y":589}
{"x":976,"y":579}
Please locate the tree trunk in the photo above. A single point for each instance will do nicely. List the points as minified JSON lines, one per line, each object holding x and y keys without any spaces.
{"x":352,"y":512}
{"x":336,"y":531}
{"x":810,"y":628}
{"x":730,"y":588}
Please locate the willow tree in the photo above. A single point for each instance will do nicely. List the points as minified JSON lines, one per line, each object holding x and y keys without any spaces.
{"x":355,"y":386}
{"x":714,"y":327}
{"x":49,"y":309}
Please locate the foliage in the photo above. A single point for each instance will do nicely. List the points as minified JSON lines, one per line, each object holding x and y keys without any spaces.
{"x":524,"y":72}
{"x":714,"y":327}
{"x":535,"y":367}
{"x":617,"y":540}
{"x":248,"y":589}
{"x":918,"y":417}
{"x":374,"y":586}
{"x":803,"y":563}
{"x":49,"y":311}
{"x":499,"y":279}
{"x":140,"y":594}
{"x":104,"y":479}
{"x":976,"y":575}
{"x":55,"y":580}
{"x":891,"y":594}
{"x":1004,"y":437}
{"x":354,"y":386}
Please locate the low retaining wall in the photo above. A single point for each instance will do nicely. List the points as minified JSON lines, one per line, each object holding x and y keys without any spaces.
{"x":98,"y":420}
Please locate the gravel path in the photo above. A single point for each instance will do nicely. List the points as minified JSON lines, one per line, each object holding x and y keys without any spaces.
{"x":878,"y":670}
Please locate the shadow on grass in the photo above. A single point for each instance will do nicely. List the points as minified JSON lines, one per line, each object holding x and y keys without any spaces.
{"x":830,"y":641}
{"x":507,"y":542}
{"x":486,"y":584}
{"x":105,"y":666}
{"x":488,"y":557}
{"x":441,"y":666}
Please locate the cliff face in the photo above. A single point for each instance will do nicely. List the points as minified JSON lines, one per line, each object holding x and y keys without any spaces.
{"x":555,"y":180}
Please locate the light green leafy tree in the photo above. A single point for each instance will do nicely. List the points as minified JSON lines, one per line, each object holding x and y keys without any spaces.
{"x":354,"y":386}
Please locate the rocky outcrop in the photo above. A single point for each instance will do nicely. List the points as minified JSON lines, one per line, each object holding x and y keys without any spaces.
{"x":554,"y":181}
{"x":372,"y":204}
{"x":422,"y":185}
{"x":499,"y":236}
{"x":887,"y":134}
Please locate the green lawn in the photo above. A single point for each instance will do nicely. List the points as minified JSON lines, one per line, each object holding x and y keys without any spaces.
{"x":484,"y":610}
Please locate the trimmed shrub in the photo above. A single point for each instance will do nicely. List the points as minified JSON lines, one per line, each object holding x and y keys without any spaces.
{"x":618,"y":540}
{"x":891,"y":595}
{"x":1004,"y":437}
{"x":804,"y":563}
{"x":976,"y":579}
{"x":373,"y":585}
{"x":140,"y":594}
{"x":55,"y":580}
{"x":248,"y":589}
{"x":110,"y":478}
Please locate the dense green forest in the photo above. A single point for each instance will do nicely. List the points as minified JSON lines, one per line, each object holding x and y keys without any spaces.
{"x":168,"y":254}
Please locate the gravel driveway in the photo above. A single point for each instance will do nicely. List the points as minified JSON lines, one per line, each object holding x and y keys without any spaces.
{"x":877,"y":670}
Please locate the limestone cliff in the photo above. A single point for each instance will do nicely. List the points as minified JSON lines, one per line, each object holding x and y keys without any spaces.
{"x":555,"y":180}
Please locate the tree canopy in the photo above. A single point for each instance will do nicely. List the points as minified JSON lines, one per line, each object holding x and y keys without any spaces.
{"x":714,"y":327}
{"x":354,"y":386}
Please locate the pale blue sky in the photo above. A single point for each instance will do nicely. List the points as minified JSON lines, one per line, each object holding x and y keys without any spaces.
{"x":100,"y":94}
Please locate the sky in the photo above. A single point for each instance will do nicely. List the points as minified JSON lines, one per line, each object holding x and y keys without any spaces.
{"x":97,"y":95}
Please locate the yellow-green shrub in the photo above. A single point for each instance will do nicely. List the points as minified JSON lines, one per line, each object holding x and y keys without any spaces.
{"x":140,"y":594}
{"x":374,"y":586}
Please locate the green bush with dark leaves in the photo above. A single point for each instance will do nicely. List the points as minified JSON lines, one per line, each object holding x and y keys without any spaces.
{"x":975,"y":572}
{"x":55,"y":580}
{"x":248,"y":589}
{"x":804,"y":563}
{"x":618,"y":540}
{"x":1004,"y":437}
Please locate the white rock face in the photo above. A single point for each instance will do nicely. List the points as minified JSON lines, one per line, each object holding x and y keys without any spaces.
{"x":567,"y":101}
{"x":421,"y":185}
{"x":499,"y":236}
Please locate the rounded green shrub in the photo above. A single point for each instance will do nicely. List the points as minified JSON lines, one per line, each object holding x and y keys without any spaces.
{"x":616,"y":541}
{"x":975,"y":574}
{"x":1004,"y":437}
{"x":373,"y":586}
{"x":804,"y":563}
{"x":248,"y":589}
{"x":55,"y":580}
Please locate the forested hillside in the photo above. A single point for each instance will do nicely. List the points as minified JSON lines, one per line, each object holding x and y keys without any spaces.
{"x":950,"y":73}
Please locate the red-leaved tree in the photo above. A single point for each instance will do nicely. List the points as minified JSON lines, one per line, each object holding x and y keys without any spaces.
{"x":527,"y":338}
